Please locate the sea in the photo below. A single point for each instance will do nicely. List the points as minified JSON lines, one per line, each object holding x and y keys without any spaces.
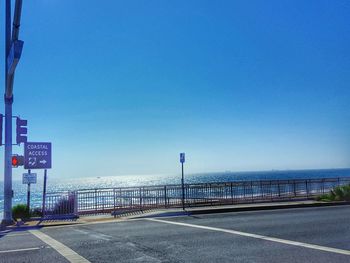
{"x":58,"y":185}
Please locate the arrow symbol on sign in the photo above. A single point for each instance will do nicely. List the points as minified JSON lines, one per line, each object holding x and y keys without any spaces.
{"x":43,"y":161}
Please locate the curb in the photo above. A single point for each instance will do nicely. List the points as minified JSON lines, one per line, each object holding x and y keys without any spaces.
{"x":38,"y":226}
{"x":272,"y":207}
{"x":244,"y":209}
{"x":193,"y":212}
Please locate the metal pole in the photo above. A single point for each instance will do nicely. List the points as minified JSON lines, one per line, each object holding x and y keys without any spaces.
{"x":44,"y":192}
{"x":183,"y":187}
{"x":15,"y":33}
{"x":8,"y":194}
{"x":28,"y":197}
{"x":8,"y":97}
{"x":165,"y":197}
{"x":28,"y":194}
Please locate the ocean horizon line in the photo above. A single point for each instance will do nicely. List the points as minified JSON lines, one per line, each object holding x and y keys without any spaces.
{"x":18,"y":178}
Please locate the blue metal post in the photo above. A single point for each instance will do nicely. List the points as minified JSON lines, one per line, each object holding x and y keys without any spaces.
{"x":8,"y":193}
{"x":183,"y":186}
{"x":28,"y":193}
{"x":44,"y":193}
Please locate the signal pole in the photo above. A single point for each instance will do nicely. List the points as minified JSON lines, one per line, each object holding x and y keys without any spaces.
{"x":13,"y":49}
{"x":8,"y":125}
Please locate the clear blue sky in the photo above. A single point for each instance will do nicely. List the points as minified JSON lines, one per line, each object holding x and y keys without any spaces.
{"x":121,"y":87}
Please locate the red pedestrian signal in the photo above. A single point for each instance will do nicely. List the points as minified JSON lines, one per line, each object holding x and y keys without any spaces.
{"x":17,"y":160}
{"x":14,"y":161}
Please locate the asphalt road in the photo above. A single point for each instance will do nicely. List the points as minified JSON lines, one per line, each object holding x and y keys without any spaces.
{"x":291,"y":235}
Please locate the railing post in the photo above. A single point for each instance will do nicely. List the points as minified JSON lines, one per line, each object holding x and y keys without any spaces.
{"x":185,"y":195}
{"x":122,"y":202}
{"x":165,"y":197}
{"x":251,"y":188}
{"x":271,"y":190}
{"x":279,"y":189}
{"x":323,"y":186}
{"x":95,"y":199}
{"x":289,"y":190}
{"x":211,"y":200}
{"x":295,"y":188}
{"x":140,"y":198}
{"x":131,"y":197}
{"x":114,"y":199}
{"x":244,"y":192}
{"x":231,"y":193}
{"x":307,"y":189}
{"x":76,"y":211}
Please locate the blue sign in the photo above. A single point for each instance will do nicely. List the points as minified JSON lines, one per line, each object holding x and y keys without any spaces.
{"x":37,"y":155}
{"x":182,"y":157}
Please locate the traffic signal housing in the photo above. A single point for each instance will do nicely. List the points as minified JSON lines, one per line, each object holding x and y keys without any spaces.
{"x":17,"y":160}
{"x":21,"y":130}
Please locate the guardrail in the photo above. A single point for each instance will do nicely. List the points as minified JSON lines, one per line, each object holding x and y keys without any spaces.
{"x":92,"y":201}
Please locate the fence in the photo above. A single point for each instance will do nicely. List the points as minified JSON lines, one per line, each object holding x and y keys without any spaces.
{"x":64,"y":203}
{"x":170,"y":196}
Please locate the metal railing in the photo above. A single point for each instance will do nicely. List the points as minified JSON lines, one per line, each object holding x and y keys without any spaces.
{"x":170,"y":196}
{"x":64,"y":203}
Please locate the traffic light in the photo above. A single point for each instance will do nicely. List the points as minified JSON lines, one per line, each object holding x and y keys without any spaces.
{"x":17,"y":160}
{"x":21,"y":130}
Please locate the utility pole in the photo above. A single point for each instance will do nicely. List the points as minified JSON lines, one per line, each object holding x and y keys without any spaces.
{"x":13,"y":50}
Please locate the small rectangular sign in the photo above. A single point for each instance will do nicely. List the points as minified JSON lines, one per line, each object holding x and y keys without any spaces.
{"x":182,"y":157}
{"x":37,"y":155}
{"x":29,"y":178}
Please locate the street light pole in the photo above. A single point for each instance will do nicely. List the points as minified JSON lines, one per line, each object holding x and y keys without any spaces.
{"x":8,"y":124}
{"x":10,"y":46}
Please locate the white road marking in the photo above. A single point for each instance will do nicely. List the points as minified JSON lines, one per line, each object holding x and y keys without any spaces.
{"x":273,"y":239}
{"x":65,"y":251}
{"x":20,"y":250}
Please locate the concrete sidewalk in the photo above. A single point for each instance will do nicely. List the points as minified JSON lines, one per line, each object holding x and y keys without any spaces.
{"x":105,"y":218}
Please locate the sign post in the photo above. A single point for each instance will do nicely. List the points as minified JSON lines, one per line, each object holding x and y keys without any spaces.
{"x":44,"y":192}
{"x":28,"y":179}
{"x":28,"y":194}
{"x":37,"y":155}
{"x":182,"y":160}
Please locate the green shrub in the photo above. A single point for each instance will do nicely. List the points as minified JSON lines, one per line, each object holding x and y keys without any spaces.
{"x":324,"y":197}
{"x":36,"y":212}
{"x":20,"y":211}
{"x":338,"y":193}
{"x":347,"y":192}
